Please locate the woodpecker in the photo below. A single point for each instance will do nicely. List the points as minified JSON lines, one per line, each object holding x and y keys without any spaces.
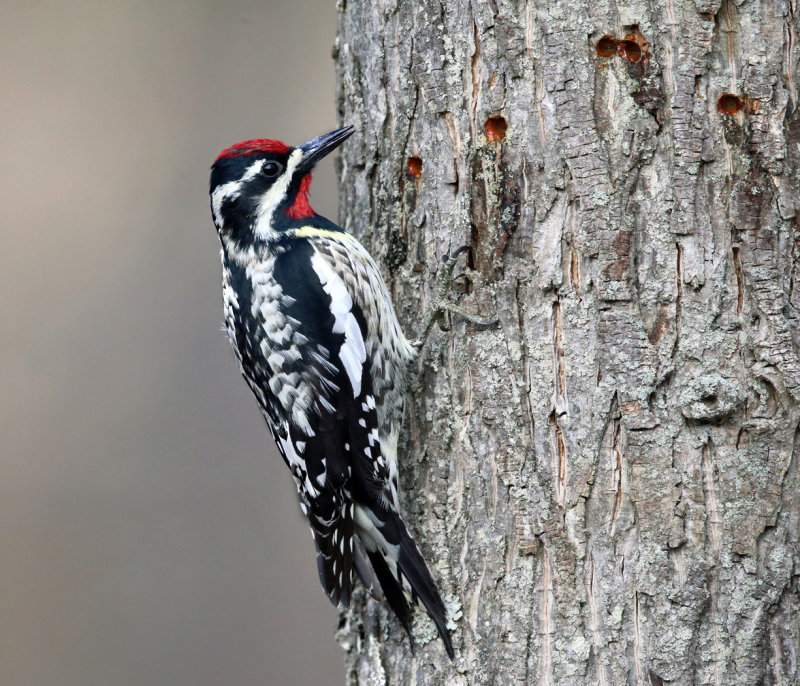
{"x":317,"y":339}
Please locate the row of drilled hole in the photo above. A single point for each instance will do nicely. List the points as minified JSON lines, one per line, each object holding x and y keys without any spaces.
{"x":496,"y":126}
{"x":608,"y":46}
{"x":495,"y":129}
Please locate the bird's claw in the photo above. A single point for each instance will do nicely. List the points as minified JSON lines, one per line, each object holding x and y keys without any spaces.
{"x":443,"y":304}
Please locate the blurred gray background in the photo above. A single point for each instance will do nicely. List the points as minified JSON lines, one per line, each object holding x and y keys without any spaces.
{"x":149,"y":533}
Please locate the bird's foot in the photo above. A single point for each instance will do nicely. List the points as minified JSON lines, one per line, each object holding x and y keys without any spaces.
{"x":442,"y":305}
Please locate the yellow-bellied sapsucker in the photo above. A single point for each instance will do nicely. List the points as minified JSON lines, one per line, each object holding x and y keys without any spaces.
{"x":313,"y":327}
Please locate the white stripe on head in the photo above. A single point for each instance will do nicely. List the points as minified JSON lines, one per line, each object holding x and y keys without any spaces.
{"x":231,"y":190}
{"x":353,"y":353}
{"x":274,"y":196}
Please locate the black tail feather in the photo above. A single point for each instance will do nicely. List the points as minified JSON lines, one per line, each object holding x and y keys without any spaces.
{"x":410,"y":565}
{"x":416,"y":571}
{"x":393,"y":592}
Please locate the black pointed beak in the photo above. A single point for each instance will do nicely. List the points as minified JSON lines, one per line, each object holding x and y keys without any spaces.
{"x":316,"y":149}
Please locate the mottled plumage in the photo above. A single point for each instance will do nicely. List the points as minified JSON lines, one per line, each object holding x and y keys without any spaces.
{"x":315,"y":333}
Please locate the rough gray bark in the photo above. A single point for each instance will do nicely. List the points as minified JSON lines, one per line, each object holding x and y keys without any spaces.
{"x":607,"y":484}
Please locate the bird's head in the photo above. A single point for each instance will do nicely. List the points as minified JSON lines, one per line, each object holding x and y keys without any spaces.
{"x":259,"y":188}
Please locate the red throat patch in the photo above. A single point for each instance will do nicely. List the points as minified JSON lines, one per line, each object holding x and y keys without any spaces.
{"x":301,"y":208}
{"x":253,"y":147}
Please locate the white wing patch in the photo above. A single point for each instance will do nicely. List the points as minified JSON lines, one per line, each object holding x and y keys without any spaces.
{"x":353,"y":353}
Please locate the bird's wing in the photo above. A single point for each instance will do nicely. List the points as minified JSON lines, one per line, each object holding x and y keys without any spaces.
{"x":388,"y":351}
{"x":328,"y":428}
{"x":346,"y":484}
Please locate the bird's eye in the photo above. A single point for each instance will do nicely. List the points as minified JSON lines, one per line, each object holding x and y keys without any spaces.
{"x":271,"y":169}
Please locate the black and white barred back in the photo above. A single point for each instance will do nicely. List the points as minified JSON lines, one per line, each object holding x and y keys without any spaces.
{"x":317,"y":339}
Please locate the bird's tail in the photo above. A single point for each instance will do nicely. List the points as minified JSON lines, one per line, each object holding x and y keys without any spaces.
{"x":399,"y":568}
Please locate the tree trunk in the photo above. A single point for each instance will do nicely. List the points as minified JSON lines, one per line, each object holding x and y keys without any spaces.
{"x":608,"y":483}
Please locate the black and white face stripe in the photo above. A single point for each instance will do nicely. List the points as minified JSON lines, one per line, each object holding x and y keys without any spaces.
{"x":272,"y":199}
{"x":246,"y":192}
{"x":252,"y":180}
{"x":231,"y":190}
